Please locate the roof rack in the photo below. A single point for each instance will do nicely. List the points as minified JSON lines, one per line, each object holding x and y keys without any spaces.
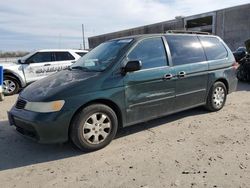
{"x":188,"y":32}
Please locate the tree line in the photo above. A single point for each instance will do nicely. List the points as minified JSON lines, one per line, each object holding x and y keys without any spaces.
{"x":13,"y":54}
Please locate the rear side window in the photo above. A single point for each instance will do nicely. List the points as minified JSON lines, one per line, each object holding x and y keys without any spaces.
{"x":214,"y":49}
{"x":63,"y":56}
{"x":185,"y":49}
{"x":151,"y":52}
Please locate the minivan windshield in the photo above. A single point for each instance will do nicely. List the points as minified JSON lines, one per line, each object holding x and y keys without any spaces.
{"x":102,"y":56}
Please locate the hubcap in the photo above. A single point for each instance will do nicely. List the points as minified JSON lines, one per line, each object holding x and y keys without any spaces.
{"x":96,"y":128}
{"x":218,"y":97}
{"x":8,"y":86}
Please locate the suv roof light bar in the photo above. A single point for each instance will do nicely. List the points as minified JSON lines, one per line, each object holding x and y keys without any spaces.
{"x":188,"y":32}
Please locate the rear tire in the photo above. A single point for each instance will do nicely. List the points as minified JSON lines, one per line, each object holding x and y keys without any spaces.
{"x":217,"y":96}
{"x":94,"y":127}
{"x":10,"y":85}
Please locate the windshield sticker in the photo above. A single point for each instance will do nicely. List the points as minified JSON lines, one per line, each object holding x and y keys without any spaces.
{"x":90,"y":62}
{"x":124,"y":41}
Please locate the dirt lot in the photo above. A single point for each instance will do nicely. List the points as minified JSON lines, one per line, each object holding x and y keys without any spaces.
{"x":190,"y":149}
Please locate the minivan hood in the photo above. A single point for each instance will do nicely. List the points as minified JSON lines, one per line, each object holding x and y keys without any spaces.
{"x":53,"y":86}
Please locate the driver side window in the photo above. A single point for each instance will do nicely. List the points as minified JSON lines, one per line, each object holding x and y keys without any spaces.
{"x":40,"y":57}
{"x":151,"y":52}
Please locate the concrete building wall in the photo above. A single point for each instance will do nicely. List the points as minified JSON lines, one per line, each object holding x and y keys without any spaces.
{"x":148,"y":29}
{"x":231,"y":24}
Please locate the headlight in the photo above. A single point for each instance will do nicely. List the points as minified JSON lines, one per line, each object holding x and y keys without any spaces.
{"x":44,"y":107}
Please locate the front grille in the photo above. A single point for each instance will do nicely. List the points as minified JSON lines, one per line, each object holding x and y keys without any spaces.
{"x":25,"y":128}
{"x":31,"y":134}
{"x":20,"y":104}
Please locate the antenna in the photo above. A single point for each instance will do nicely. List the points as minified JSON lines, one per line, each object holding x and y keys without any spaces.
{"x":83,"y":39}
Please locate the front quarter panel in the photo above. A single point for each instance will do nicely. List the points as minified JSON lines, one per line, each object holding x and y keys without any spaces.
{"x":114,"y":95}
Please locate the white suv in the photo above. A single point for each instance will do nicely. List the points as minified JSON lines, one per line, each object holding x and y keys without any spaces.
{"x":37,"y":65}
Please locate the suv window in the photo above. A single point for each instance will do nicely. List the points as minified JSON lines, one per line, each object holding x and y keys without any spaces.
{"x":151,"y":52}
{"x":185,"y":49}
{"x":63,"y":56}
{"x":40,"y":57}
{"x":214,"y":49}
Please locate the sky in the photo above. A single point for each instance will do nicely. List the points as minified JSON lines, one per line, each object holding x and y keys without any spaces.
{"x":28,"y":25}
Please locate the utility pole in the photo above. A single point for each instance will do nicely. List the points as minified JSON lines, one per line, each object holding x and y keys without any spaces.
{"x":60,"y":41}
{"x":83,"y":38}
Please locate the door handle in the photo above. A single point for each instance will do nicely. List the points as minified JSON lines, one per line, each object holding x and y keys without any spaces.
{"x":46,"y":64}
{"x":181,"y":74}
{"x":168,"y":76}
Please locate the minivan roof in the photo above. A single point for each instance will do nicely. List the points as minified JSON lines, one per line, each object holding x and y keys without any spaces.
{"x":160,"y":34}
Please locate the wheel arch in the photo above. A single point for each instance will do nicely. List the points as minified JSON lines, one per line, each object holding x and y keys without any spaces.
{"x":224,"y":81}
{"x":106,"y":102}
{"x":12,"y":74}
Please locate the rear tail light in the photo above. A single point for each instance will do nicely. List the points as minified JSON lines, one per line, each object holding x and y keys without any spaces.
{"x":235,"y":65}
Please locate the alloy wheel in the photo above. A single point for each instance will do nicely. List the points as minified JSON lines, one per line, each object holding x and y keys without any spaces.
{"x":9,"y":86}
{"x":218,"y":97}
{"x":96,"y":128}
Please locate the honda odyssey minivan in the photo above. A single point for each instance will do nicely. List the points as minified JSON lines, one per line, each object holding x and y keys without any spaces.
{"x":123,"y":82}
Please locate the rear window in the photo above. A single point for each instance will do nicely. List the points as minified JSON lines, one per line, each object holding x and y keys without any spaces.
{"x":63,"y":56}
{"x":185,"y":49}
{"x":214,"y":49}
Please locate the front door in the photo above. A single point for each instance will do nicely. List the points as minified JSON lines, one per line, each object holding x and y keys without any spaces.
{"x":191,"y":67}
{"x":150,"y":91}
{"x":37,"y":66}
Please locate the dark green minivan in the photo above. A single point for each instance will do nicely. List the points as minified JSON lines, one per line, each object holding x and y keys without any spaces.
{"x":125,"y":81}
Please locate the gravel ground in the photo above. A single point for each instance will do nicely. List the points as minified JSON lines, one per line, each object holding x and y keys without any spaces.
{"x":189,"y":149}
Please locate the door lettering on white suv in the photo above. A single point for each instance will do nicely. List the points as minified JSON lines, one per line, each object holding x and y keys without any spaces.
{"x":51,"y":69}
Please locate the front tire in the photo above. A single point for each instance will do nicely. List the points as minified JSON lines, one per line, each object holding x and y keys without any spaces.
{"x":217,"y":97}
{"x":10,"y":86}
{"x":94,"y":127}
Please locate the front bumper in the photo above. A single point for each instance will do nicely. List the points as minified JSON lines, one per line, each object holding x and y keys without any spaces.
{"x":41,"y":127}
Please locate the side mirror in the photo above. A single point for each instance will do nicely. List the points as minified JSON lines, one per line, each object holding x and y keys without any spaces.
{"x":19,"y":61}
{"x":132,"y":66}
{"x":22,"y":61}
